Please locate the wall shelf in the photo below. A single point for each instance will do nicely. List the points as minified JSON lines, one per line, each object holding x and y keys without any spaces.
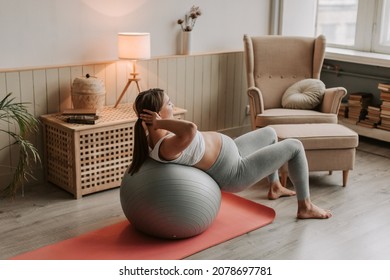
{"x":379,"y":134}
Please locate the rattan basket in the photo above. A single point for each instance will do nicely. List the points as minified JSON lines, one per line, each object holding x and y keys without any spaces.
{"x":88,"y":93}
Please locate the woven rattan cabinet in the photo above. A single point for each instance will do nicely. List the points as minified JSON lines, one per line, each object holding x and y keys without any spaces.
{"x":84,"y":159}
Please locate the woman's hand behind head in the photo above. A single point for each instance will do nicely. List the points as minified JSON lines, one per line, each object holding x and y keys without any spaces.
{"x":150,"y":117}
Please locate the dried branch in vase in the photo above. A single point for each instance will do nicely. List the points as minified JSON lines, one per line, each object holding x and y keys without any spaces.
{"x":188,"y":23}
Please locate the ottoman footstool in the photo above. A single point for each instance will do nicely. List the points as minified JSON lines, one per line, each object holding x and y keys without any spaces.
{"x":328,"y":146}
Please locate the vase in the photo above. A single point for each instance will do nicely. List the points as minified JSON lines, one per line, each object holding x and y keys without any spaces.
{"x":186,"y":42}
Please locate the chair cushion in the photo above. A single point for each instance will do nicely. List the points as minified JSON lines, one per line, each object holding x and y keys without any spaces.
{"x":305,"y":94}
{"x":293,"y":116}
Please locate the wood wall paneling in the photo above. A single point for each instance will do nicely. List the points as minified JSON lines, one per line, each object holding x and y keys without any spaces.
{"x":180,"y":82}
{"x":171,"y":86}
{"x":205,"y":108}
{"x":222,"y":77}
{"x":13,"y":86}
{"x":40,"y":97}
{"x":5,"y":155}
{"x":152,"y":74}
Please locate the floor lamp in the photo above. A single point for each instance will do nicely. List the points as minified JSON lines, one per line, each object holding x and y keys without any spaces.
{"x":133,"y":46}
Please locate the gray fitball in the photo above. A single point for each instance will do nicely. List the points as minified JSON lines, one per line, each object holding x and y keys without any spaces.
{"x":170,"y":200}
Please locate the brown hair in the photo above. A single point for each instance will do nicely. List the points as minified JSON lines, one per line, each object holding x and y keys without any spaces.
{"x":153,"y":100}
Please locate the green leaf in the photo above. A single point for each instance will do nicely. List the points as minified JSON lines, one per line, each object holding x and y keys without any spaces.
{"x":20,"y":124}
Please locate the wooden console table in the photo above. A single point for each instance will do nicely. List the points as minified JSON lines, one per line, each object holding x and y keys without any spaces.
{"x":83,"y":158}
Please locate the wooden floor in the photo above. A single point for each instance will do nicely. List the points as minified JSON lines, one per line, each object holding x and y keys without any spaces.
{"x":360,"y":228}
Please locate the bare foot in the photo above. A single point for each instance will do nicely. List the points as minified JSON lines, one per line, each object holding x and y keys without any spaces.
{"x":276,"y":190}
{"x":307,"y":210}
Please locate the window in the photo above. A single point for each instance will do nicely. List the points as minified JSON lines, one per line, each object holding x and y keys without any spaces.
{"x":337,"y":21}
{"x":355,"y":24}
{"x":384,"y":38}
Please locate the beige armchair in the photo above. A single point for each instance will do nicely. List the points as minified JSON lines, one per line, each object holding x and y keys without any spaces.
{"x":273,"y":64}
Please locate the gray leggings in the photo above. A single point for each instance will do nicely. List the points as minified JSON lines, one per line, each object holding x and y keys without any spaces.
{"x":258,"y":154}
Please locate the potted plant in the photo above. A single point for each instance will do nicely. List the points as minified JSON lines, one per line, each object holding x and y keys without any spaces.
{"x":18,"y":124}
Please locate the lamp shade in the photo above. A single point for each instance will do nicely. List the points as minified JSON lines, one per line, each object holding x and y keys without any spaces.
{"x":134,"y":46}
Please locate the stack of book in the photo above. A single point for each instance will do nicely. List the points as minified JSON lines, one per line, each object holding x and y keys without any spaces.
{"x":81,"y":116}
{"x":384,"y":87}
{"x":372,"y":118}
{"x":385,"y":107}
{"x":358,"y":103}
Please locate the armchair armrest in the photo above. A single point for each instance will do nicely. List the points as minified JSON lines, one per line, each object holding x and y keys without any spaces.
{"x":332,"y":99}
{"x":256,"y":104}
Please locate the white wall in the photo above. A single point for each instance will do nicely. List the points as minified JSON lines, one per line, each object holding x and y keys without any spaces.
{"x":37,"y":33}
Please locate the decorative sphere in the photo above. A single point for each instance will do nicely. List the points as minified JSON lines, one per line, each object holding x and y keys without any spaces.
{"x":170,"y":200}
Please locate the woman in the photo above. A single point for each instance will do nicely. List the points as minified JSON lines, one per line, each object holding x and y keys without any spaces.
{"x":233,"y":164}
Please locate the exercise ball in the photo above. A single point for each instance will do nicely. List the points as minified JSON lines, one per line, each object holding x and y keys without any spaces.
{"x":170,"y":200}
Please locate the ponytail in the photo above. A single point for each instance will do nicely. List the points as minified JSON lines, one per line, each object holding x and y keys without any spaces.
{"x":151,"y":99}
{"x":141,"y":148}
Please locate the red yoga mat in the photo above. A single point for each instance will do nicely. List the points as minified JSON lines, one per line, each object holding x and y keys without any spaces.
{"x":121,"y":241}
